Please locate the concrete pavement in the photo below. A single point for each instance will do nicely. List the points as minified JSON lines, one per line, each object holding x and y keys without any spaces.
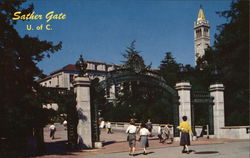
{"x":116,"y":146}
{"x":223,"y":150}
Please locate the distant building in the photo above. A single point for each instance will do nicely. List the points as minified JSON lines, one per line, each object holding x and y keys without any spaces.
{"x":63,"y":77}
{"x":201,"y":35}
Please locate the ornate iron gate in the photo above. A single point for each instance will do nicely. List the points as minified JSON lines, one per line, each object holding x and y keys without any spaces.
{"x":124,"y":75}
{"x":202,"y":98}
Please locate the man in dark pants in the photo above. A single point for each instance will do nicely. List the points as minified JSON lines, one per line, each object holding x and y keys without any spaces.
{"x":52,"y":131}
{"x":149,"y":126}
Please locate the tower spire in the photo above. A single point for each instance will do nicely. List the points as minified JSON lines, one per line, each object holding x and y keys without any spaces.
{"x":201,"y":35}
{"x":201,"y":15}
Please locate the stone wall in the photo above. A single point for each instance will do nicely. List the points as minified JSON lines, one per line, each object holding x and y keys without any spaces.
{"x":235,"y":132}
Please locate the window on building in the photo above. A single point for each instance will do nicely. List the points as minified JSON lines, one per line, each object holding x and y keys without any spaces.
{"x":71,"y":77}
{"x":198,"y":33}
{"x":205,"y":31}
{"x":207,"y":45}
{"x":57,"y":81}
{"x":106,"y":68}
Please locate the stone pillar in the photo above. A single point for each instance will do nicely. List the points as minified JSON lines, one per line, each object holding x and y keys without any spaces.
{"x":217,"y":91}
{"x":183,"y":89}
{"x":82,"y":90}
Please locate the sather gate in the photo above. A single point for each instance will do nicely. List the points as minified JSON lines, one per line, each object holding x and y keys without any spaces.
{"x":125,"y":75}
{"x":87,"y":107}
{"x":182,"y":99}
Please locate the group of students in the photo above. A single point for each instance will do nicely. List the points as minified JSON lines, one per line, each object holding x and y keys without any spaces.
{"x":144,"y":133}
{"x":131,"y":138}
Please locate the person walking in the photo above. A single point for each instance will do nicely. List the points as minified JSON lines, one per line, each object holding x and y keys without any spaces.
{"x":131,"y":138}
{"x":52,"y":129}
{"x":185,"y":138}
{"x":108,"y":125}
{"x":171,"y":134}
{"x":167,"y":134}
{"x":159,"y":132}
{"x":102,"y":124}
{"x":144,"y":133}
{"x":149,"y":126}
{"x":65,"y":124}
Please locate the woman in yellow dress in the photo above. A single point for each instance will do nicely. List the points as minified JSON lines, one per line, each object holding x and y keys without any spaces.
{"x":185,"y":138}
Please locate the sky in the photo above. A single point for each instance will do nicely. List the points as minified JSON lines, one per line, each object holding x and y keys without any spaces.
{"x":101,"y":30}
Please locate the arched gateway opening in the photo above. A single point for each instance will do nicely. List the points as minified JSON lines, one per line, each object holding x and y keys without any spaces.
{"x":120,"y":76}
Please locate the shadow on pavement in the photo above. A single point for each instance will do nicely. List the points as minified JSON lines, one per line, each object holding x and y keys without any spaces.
{"x":142,"y":153}
{"x":206,"y":152}
{"x":108,"y":143}
{"x":151,"y":152}
{"x":57,"y":148}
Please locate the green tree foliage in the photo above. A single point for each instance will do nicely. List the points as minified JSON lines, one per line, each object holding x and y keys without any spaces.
{"x":138,"y":99}
{"x":169,"y":69}
{"x":174,"y":72}
{"x":134,"y":61}
{"x":230,"y":55}
{"x":20,"y":108}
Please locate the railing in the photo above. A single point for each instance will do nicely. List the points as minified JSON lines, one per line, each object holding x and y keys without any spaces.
{"x":123,"y":126}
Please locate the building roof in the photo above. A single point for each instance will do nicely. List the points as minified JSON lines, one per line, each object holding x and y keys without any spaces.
{"x":201,"y":15}
{"x":71,"y":67}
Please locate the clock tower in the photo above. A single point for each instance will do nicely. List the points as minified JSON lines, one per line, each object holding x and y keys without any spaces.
{"x":201,"y":35}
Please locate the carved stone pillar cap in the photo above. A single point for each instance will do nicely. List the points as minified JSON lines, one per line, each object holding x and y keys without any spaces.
{"x":216,"y":87}
{"x":81,"y":81}
{"x":183,"y":86}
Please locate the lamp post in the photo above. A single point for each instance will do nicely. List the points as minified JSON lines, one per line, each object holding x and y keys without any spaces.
{"x":215,"y":75}
{"x":182,"y":72}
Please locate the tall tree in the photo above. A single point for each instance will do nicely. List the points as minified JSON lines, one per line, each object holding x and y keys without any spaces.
{"x":20,"y":108}
{"x":129,"y":99}
{"x":230,"y":55}
{"x":134,"y":61}
{"x":169,"y":69}
{"x":137,"y":99}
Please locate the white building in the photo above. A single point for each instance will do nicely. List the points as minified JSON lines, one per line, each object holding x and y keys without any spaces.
{"x":63,"y":77}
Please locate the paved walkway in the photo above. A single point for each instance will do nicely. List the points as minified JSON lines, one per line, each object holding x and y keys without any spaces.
{"x":115,"y":146}
{"x":224,"y":150}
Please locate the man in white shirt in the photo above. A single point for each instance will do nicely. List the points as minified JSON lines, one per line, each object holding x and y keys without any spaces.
{"x":65,"y":124}
{"x":108,"y":126}
{"x":52,"y":129}
{"x":102,"y":124}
